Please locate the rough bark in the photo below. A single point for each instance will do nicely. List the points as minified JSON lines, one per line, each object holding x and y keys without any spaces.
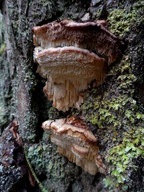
{"x":114,"y":111}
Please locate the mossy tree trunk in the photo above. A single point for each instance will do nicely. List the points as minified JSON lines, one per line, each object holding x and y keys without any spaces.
{"x":114,"y":111}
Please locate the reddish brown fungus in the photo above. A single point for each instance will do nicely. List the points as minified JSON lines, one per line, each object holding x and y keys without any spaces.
{"x":76,"y":142}
{"x":67,"y":54}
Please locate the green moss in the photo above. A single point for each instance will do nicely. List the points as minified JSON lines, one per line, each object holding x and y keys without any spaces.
{"x":2,"y":48}
{"x":109,"y":111}
{"x":120,"y":20}
{"x":121,"y":157}
{"x":118,"y":115}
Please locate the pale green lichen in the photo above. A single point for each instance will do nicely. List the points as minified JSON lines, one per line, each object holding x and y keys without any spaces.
{"x":33,"y":172}
{"x":46,"y":161}
{"x":36,"y":156}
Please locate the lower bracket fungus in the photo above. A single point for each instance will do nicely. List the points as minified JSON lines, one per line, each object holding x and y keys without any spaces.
{"x":76,"y":142}
{"x":72,"y":55}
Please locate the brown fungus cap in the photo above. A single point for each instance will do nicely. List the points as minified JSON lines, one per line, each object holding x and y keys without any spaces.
{"x":69,"y":71}
{"x":76,"y":142}
{"x":89,"y":35}
{"x":66,"y":127}
{"x":71,"y":55}
{"x":71,"y":63}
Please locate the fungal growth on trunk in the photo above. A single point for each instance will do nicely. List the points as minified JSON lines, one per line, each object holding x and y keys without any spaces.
{"x":76,"y":142}
{"x":72,"y":55}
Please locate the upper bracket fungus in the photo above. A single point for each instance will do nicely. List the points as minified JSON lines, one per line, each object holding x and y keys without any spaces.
{"x":71,"y":55}
{"x":76,"y":142}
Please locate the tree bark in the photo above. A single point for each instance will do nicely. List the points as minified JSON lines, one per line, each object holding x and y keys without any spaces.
{"x":119,"y":100}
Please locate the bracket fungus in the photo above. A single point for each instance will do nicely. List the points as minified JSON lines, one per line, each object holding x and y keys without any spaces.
{"x":71,"y":55}
{"x":76,"y":142}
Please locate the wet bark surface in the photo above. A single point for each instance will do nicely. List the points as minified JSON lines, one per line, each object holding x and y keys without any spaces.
{"x":22,"y":97}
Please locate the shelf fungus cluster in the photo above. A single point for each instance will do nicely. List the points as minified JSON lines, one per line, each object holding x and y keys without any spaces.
{"x":71,"y":55}
{"x":76,"y":142}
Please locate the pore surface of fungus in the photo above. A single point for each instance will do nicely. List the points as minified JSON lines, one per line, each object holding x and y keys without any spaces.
{"x":71,"y":55}
{"x":76,"y":142}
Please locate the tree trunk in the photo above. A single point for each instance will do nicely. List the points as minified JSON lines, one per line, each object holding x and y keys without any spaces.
{"x":114,"y":111}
